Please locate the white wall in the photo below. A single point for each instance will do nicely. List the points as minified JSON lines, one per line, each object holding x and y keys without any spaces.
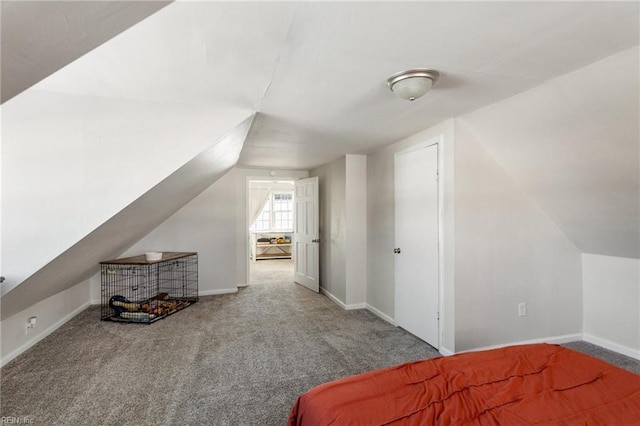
{"x":508,"y":251}
{"x":356,"y":230}
{"x":214,"y":224}
{"x":343,"y":230}
{"x":611,"y":295}
{"x":380,"y":228}
{"x":333,"y":227}
{"x":51,"y":313}
{"x":205,"y":225}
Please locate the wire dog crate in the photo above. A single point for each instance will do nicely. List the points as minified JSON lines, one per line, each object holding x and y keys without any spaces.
{"x":135,"y":289}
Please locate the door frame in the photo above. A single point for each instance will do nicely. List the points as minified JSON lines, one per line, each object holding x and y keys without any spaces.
{"x":247,"y":225}
{"x":439,"y":141}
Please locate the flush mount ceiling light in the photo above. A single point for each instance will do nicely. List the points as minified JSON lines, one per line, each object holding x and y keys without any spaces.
{"x":412,"y":84}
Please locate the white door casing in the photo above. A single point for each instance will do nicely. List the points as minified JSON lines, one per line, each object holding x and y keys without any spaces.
{"x":306,"y":236}
{"x":416,"y":243}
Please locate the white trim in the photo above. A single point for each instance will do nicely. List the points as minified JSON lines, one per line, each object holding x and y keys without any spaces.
{"x":53,"y":327}
{"x":340,"y":303}
{"x":279,"y":175}
{"x":445,"y":352}
{"x":355,"y":306}
{"x":424,"y":144}
{"x":95,"y":302}
{"x":241,"y":285}
{"x":215,"y":292}
{"x":333,"y":298}
{"x":381,"y":314}
{"x":612,"y":346}
{"x":554,"y":340}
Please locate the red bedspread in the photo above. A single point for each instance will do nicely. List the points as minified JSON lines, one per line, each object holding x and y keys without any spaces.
{"x":518,"y":385}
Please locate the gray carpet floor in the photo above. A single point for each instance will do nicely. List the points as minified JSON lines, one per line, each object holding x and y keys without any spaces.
{"x":271,"y":271}
{"x":237,"y":359}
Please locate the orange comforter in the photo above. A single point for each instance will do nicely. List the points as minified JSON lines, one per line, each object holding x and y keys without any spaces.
{"x":518,"y":385}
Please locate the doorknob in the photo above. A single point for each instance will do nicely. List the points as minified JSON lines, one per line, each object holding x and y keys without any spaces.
{"x":396,"y":250}
{"x":316,"y":240}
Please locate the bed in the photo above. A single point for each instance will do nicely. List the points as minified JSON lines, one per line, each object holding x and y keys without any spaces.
{"x":518,"y":385}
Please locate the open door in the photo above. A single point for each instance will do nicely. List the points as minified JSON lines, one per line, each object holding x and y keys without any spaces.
{"x":306,"y":236}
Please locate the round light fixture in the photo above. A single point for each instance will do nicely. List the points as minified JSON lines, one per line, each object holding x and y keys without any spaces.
{"x":413,"y":83}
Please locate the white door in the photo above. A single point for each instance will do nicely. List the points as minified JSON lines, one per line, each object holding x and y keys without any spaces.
{"x":306,"y":236}
{"x":416,"y":243}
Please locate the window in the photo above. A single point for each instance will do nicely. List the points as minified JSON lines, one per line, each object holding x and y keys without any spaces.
{"x":263,"y":222}
{"x":277,"y":213}
{"x":282,"y":212}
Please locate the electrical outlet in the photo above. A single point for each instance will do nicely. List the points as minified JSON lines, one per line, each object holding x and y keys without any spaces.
{"x":32,"y":323}
{"x":522,"y":309}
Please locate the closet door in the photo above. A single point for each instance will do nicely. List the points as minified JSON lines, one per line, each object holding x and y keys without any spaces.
{"x":416,"y":243}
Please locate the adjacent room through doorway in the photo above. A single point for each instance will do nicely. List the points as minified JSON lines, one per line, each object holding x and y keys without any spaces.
{"x":270,"y":213}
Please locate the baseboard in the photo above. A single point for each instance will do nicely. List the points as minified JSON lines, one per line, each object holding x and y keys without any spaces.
{"x":355,"y":306}
{"x":340,"y":303}
{"x":218,"y":291}
{"x":241,"y":285}
{"x":53,"y":327}
{"x":446,"y":352}
{"x":381,"y":314}
{"x":553,"y":339}
{"x":332,"y":298}
{"x":612,"y":346}
{"x":95,"y":302}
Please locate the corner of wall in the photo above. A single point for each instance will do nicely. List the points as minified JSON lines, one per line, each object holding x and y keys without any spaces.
{"x":356,"y":229}
{"x":611,"y":303}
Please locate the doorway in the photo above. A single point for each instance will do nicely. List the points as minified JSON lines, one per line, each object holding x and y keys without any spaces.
{"x":270,"y":221}
{"x":417,"y":257}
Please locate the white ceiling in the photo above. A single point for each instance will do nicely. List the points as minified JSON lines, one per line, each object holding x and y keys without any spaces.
{"x":316,"y":71}
{"x":566,"y":73}
{"x":40,"y":37}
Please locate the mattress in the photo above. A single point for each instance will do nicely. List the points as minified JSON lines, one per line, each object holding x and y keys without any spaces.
{"x":518,"y":385}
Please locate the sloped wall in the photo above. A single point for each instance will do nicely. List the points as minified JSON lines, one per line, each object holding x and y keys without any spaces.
{"x":507,"y":251}
{"x":65,"y":31}
{"x":572,"y":144}
{"x":52,"y":294}
{"x":72,"y":167}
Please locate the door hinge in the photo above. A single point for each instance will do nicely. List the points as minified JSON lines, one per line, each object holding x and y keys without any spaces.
{"x":438,"y":316}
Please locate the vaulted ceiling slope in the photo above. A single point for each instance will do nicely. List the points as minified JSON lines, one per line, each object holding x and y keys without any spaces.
{"x":81,"y":261}
{"x":40,"y":37}
{"x":573,"y":145}
{"x":316,"y":71}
